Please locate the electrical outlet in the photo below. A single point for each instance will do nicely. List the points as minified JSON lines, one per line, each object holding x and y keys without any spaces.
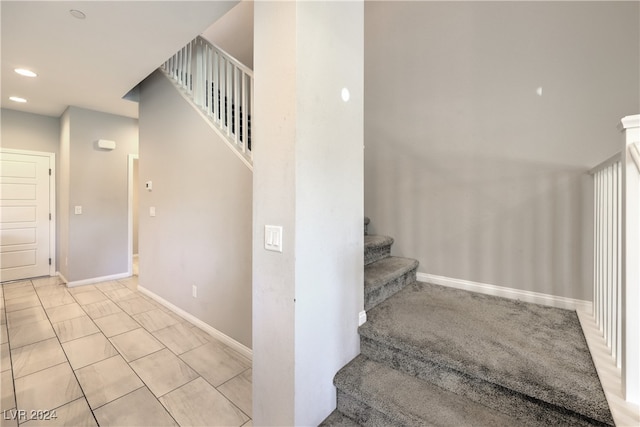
{"x":194,"y":291}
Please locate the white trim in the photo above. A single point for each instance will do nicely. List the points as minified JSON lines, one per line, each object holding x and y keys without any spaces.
{"x":64,"y":279}
{"x":629,"y":122}
{"x":611,"y":160}
{"x":624,"y":413}
{"x":96,"y":279}
{"x":510,"y":293}
{"x":52,"y":199}
{"x":131,"y":159}
{"x":240,"y":348}
{"x":630,"y":270}
{"x":362,"y":318}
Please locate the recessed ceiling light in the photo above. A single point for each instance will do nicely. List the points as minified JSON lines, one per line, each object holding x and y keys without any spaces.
{"x":17,"y":99}
{"x":25,"y":72}
{"x":77,"y":14}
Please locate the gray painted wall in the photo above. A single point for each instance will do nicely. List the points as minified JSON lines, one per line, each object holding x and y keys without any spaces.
{"x":472,"y":172}
{"x":93,"y":244}
{"x":233,"y":32}
{"x":33,"y":132}
{"x":97,"y":181}
{"x":201,"y":234}
{"x":26,"y":131}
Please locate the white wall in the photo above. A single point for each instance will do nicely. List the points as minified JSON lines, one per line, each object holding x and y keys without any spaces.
{"x":136,"y":203}
{"x":274,"y":203}
{"x":308,"y":169}
{"x":97,"y":181}
{"x":472,"y":172}
{"x":233,"y":32}
{"x":63,"y":194}
{"x":201,"y":234}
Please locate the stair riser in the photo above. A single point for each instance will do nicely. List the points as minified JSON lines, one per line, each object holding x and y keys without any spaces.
{"x":491,"y":395}
{"x":372,"y":255}
{"x":373,"y":297}
{"x":364,"y":414}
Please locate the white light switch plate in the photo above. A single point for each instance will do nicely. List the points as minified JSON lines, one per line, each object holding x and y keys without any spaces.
{"x":273,"y":238}
{"x":152,"y":211}
{"x":78,"y":210}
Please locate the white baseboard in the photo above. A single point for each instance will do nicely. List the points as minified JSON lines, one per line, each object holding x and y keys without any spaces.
{"x":64,"y":279}
{"x":623,"y":412}
{"x":499,"y":291}
{"x":95,"y":279}
{"x":362,"y":318}
{"x":240,"y":348}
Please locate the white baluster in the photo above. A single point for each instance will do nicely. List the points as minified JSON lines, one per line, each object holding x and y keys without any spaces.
{"x":243,"y":104}
{"x":236,"y":105}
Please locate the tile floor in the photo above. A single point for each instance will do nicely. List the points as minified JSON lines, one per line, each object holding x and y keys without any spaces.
{"x":108,"y":355}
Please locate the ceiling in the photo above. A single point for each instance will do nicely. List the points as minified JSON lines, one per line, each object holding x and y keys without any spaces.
{"x":93,"y":62}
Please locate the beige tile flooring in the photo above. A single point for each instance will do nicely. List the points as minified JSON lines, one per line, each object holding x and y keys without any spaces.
{"x":107,"y":355}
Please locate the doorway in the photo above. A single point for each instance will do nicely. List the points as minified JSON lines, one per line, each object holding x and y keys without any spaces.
{"x":27,"y":214}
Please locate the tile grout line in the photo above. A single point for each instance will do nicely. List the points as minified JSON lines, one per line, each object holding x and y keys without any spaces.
{"x":109,"y":339}
{"x":84,"y":395}
{"x":133,"y":370}
{"x":13,"y":379}
{"x":183,"y":361}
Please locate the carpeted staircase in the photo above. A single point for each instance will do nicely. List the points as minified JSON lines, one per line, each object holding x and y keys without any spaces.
{"x":437,"y":356}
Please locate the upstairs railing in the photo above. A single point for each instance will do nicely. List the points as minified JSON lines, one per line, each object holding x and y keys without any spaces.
{"x":220,"y":86}
{"x":616,"y":273}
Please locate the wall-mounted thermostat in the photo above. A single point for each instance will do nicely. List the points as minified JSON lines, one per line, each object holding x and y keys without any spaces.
{"x":148,"y":185}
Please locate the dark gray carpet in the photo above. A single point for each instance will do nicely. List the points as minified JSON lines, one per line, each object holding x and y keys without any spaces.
{"x":376,"y":248}
{"x":536,"y":351}
{"x":385,"y":277}
{"x":438,"y":356}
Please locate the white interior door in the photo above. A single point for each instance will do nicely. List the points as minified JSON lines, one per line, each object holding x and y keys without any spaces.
{"x":24,"y":215}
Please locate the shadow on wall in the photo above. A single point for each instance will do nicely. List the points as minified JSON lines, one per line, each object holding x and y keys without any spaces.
{"x":496,"y":220}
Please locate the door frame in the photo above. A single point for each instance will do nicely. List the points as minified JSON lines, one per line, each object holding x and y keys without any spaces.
{"x":131,"y":159}
{"x":52,"y":201}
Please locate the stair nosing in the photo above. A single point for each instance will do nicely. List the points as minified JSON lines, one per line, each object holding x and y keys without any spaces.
{"x":388,"y":409}
{"x":410,"y":264}
{"x":373,"y":241}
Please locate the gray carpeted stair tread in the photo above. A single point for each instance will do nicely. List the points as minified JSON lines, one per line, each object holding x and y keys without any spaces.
{"x":338,"y":419}
{"x":385,"y":277}
{"x":380,"y":272}
{"x":376,"y":248}
{"x":375,"y":241}
{"x":537,"y":351}
{"x":396,"y":398}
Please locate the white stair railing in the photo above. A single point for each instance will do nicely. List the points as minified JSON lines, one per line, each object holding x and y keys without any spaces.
{"x":630,"y":218}
{"x":616,"y":273}
{"x":220,"y":86}
{"x":607,"y":257}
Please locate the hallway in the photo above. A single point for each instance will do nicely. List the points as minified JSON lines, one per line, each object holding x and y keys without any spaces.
{"x":105,"y":355}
